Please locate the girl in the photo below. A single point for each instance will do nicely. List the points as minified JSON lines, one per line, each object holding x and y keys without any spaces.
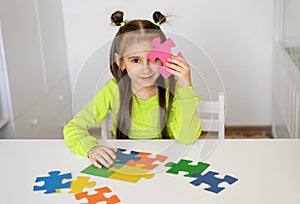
{"x":143,"y":104}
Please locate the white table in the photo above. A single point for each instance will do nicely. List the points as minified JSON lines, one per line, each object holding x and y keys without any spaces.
{"x":268,"y":172}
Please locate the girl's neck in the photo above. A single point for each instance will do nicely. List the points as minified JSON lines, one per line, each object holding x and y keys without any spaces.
{"x":146,"y":92}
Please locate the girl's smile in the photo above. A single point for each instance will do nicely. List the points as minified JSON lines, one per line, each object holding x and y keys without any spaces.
{"x":147,"y":77}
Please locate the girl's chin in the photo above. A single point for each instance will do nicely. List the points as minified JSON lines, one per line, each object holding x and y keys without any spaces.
{"x":147,"y":83}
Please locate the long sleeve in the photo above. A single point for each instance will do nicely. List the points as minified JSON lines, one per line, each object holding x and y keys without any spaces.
{"x":76,"y":134}
{"x":184,"y":123}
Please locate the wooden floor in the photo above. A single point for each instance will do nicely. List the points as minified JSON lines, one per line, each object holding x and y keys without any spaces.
{"x":248,"y":136}
{"x":246,"y":132}
{"x":261,"y":132}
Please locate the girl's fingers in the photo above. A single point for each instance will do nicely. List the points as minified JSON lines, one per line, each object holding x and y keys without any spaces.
{"x":95,"y":163}
{"x":183,"y":81}
{"x":107,"y":158}
{"x":173,"y":71}
{"x":102,"y":156}
{"x":174,"y":67}
{"x":179,"y":68}
{"x":103,"y":160}
{"x":179,"y":61}
{"x":110,"y":152}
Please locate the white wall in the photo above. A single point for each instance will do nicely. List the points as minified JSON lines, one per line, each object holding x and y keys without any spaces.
{"x":292,"y":20}
{"x":5,"y":109}
{"x":37,"y":82}
{"x":237,"y":35}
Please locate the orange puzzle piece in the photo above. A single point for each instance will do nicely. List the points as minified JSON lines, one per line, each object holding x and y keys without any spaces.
{"x":98,"y":197}
{"x":147,"y":161}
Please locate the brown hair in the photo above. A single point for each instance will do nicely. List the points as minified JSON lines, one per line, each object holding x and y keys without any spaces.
{"x":130,"y":32}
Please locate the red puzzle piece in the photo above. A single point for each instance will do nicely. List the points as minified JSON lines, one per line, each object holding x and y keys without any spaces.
{"x":163,"y":52}
{"x":98,"y":197}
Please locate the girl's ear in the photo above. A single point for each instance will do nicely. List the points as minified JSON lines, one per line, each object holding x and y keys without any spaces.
{"x":117,"y":59}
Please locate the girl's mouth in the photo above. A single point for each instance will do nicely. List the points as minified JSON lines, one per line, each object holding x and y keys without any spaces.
{"x":146,"y":77}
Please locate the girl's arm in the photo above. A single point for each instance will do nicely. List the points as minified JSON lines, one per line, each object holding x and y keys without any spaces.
{"x":76,"y":132}
{"x":183,"y":122}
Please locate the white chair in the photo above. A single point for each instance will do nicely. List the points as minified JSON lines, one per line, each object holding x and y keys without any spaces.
{"x":107,"y":126}
{"x":212,"y":116}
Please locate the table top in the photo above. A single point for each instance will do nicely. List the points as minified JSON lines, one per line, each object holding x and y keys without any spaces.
{"x":268,"y":171}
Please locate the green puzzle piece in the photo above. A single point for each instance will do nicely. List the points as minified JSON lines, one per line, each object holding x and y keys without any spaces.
{"x":184,"y":165}
{"x":103,"y":172}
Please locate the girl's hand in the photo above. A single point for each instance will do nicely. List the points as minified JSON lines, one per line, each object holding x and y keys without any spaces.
{"x":181,"y":69}
{"x":102,"y":156}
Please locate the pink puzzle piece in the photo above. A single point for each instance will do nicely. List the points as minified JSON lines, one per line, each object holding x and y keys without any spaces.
{"x":163,"y":52}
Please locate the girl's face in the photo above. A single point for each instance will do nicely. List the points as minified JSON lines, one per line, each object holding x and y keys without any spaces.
{"x":142,"y":72}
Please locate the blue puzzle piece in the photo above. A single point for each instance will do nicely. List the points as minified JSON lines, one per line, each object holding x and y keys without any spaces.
{"x":123,"y":158}
{"x":53,"y":182}
{"x":210,"y":179}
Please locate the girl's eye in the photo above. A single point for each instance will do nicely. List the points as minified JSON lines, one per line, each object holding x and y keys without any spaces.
{"x":135,"y":60}
{"x":158,"y":61}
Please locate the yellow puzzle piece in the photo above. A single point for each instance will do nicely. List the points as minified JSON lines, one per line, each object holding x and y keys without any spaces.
{"x":81,"y":182}
{"x":130,"y":173}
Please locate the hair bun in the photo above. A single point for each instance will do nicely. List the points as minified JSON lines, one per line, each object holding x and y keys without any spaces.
{"x":159,"y":17}
{"x":117,"y":18}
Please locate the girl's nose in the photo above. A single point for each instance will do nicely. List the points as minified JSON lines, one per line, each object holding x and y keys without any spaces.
{"x":147,"y":62}
{"x":147,"y":66}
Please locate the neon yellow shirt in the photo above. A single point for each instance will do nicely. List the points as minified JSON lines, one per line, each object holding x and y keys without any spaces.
{"x":183,"y":123}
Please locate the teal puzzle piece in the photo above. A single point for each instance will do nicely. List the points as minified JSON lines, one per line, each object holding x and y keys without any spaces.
{"x":211,"y":179}
{"x":123,"y":158}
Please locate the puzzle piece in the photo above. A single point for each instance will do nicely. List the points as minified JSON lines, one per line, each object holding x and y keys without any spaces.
{"x":139,"y":165}
{"x":147,"y":161}
{"x":162,"y":52}
{"x":184,"y":165}
{"x":130,"y":170}
{"x":98,"y":197}
{"x":163,"y":47}
{"x":54,"y":182}
{"x":163,"y":69}
{"x":103,"y":172}
{"x":130,"y":178}
{"x":210,"y":179}
{"x":123,"y":158}
{"x":108,"y":173}
{"x":81,"y":182}
{"x":130,"y":173}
